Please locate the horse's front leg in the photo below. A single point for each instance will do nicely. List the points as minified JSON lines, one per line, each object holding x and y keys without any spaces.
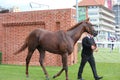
{"x":65,"y":66}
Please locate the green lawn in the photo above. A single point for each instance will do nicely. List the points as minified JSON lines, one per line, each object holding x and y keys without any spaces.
{"x":105,"y":55}
{"x":108,"y":66}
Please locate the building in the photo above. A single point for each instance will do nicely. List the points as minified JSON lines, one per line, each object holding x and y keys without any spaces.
{"x":15,"y":27}
{"x":100,"y":15}
{"x":116,"y":9}
{"x":15,"y":9}
{"x":116,"y":1}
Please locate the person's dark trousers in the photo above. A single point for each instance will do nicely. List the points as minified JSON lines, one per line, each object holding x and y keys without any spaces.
{"x":91,"y":61}
{"x":93,"y":66}
{"x":82,"y":64}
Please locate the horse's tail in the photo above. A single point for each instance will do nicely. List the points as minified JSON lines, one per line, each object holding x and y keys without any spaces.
{"x":24,"y":46}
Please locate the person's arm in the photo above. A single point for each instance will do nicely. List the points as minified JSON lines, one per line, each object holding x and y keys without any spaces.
{"x":94,"y":46}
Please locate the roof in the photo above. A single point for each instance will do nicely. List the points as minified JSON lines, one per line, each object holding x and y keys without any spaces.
{"x":91,"y":2}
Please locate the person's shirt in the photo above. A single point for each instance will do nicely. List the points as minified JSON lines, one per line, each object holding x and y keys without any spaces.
{"x":87,"y":42}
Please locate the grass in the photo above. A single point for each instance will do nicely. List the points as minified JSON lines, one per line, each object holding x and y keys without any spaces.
{"x":108,"y":66}
{"x":105,"y":55}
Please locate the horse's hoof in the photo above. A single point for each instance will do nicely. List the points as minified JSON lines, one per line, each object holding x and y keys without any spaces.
{"x":27,"y":76}
{"x":47,"y":79}
{"x":54,"y":76}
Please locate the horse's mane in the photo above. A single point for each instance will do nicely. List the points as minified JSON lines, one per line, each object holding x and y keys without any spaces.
{"x":74,"y":26}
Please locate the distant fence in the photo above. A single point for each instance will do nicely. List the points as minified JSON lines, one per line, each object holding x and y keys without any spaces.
{"x":107,"y":45}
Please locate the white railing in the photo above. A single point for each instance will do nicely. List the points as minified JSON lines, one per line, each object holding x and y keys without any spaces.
{"x":107,"y":13}
{"x":107,"y":18}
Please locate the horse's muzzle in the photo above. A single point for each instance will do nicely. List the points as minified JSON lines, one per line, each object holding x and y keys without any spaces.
{"x":95,"y":33}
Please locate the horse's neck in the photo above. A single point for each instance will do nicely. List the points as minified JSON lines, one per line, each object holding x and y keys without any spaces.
{"x":76,"y":33}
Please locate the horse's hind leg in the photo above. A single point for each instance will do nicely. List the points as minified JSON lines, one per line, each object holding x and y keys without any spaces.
{"x":29,"y":55}
{"x":41,"y":59}
{"x":65,"y":67}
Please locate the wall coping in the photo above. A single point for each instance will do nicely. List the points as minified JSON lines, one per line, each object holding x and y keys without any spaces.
{"x":7,"y":24}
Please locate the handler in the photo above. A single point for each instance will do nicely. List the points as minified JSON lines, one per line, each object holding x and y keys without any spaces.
{"x":88,"y":46}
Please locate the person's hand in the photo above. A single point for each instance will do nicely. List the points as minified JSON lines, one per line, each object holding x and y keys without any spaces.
{"x":93,"y":47}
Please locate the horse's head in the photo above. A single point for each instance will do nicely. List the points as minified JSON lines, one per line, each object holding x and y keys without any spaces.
{"x":89,"y":27}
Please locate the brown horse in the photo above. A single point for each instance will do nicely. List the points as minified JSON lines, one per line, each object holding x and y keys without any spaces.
{"x":59,"y":42}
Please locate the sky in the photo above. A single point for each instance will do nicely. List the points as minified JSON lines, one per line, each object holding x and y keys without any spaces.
{"x":50,"y":4}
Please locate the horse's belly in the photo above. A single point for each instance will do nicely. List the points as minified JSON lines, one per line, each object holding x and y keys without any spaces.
{"x":51,"y":48}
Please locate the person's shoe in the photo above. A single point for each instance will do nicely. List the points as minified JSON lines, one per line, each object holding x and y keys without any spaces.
{"x":98,"y":78}
{"x":81,"y":79}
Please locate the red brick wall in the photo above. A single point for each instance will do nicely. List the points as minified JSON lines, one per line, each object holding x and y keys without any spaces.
{"x":14,"y":27}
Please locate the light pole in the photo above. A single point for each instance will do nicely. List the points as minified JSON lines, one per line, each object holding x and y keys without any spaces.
{"x":77,"y":11}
